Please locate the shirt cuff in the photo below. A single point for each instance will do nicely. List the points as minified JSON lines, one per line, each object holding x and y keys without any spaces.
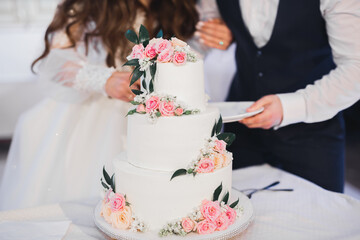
{"x":294,"y":108}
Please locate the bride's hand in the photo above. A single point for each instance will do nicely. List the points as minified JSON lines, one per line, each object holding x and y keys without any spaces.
{"x":214,"y":33}
{"x":117,"y":86}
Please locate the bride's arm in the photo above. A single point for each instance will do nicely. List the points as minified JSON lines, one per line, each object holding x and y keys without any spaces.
{"x":70,"y":67}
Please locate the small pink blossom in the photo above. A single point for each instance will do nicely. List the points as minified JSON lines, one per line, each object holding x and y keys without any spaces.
{"x":108,"y":195}
{"x":152,"y":104}
{"x":140,"y":108}
{"x":137,"y":52}
{"x":179,"y":58}
{"x":231,"y":214}
{"x":220,"y":145}
{"x":162,"y":45}
{"x":150,"y":51}
{"x":222,"y":222}
{"x":206,"y":227}
{"x":117,"y":202}
{"x":188,"y":224}
{"x":165,"y":56}
{"x":205,"y":165}
{"x":210,"y":210}
{"x":179,"y":111}
{"x":167,"y":108}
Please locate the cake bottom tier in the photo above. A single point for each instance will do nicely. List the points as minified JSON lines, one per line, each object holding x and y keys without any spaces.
{"x":156,"y":200}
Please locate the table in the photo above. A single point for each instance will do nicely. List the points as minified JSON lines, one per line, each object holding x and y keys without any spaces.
{"x":309,"y":212}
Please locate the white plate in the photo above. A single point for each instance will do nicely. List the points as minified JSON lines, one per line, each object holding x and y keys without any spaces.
{"x":235,"y":229}
{"x":234,"y":111}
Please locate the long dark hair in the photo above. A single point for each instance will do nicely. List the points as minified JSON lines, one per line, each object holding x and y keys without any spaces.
{"x":112,"y":18}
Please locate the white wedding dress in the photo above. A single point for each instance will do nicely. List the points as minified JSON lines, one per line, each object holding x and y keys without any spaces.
{"x":60,"y":145}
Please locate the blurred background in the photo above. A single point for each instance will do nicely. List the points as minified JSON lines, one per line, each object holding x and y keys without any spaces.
{"x":22,"y":27}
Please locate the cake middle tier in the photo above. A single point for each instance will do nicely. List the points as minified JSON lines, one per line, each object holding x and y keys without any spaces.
{"x":171,"y":142}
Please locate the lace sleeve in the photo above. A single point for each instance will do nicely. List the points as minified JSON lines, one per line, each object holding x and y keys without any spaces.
{"x":71,"y":67}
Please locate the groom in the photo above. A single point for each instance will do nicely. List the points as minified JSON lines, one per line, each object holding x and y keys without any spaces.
{"x":287,"y":52}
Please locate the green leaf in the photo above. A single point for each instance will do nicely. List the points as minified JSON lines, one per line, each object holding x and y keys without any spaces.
{"x":187,"y":112}
{"x":131,"y":36}
{"x":234,"y":204}
{"x":190,"y":170}
{"x":153,"y":70}
{"x":131,"y":112}
{"x":136,"y":92}
{"x":135,"y":75}
{"x":219,"y":125}
{"x":151,"y":86}
{"x":132,"y":62}
{"x":144,"y":83}
{"x":194,"y":173}
{"x":217,"y":192}
{"x":158,"y":114}
{"x":226,"y":198}
{"x":104,"y":185}
{"x":113,"y":182}
{"x":178,"y":172}
{"x":213,"y":131}
{"x":159,"y":34}
{"x":145,"y":43}
{"x":135,"y":103}
{"x":127,"y":204}
{"x":143,"y":34}
{"x":227,"y":137}
{"x":106,"y":176}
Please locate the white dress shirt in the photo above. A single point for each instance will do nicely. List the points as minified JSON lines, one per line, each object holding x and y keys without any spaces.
{"x":333,"y":92}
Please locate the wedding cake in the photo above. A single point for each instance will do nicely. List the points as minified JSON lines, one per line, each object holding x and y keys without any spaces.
{"x":175,"y":177}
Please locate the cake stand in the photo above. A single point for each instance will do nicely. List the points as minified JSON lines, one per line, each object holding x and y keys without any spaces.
{"x":235,"y":229}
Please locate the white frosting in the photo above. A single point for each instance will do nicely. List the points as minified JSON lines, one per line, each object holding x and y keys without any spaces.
{"x":171,"y":142}
{"x":186,"y":82}
{"x":156,"y":200}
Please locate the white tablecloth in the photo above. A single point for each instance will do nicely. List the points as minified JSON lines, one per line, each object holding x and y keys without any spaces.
{"x":309,"y":212}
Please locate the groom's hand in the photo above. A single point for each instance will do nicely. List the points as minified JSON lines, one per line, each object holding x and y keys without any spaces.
{"x":270,"y":117}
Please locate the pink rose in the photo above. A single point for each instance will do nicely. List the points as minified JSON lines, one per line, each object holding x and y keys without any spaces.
{"x":162,"y":45}
{"x":210,"y":210}
{"x":165,"y":56}
{"x":231,"y":214}
{"x":179,"y":58}
{"x":206,"y":227}
{"x":117,"y":202}
{"x":188,"y":224}
{"x":167,"y":108}
{"x":177,"y":42}
{"x":179,"y":111}
{"x":152,"y":104}
{"x":137,"y":52}
{"x":222,"y":222}
{"x":150,"y":51}
{"x":205,"y":165}
{"x":140,"y":108}
{"x":220,"y":145}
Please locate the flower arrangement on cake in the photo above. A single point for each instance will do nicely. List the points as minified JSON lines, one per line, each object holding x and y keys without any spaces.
{"x":211,"y":216}
{"x":116,"y":210}
{"x":146,"y":53}
{"x":156,"y":105}
{"x":214,"y":154}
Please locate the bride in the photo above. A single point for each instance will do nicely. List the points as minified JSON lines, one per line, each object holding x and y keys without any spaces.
{"x":61,"y":144}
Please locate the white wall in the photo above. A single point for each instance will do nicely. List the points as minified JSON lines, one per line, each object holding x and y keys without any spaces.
{"x":22,"y":27}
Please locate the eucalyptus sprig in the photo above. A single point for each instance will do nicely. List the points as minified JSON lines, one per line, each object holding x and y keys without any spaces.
{"x":109,"y":181}
{"x":137,"y":73}
{"x":226,"y":137}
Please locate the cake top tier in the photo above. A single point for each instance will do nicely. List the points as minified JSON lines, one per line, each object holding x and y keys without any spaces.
{"x":167,"y":67}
